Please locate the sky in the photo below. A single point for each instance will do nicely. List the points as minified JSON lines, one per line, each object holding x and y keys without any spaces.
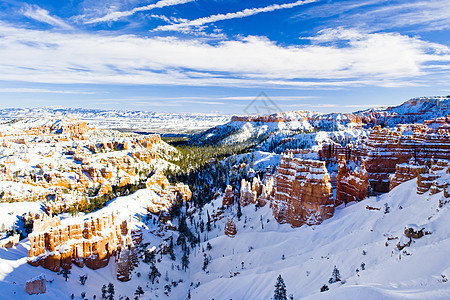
{"x":219,"y":55}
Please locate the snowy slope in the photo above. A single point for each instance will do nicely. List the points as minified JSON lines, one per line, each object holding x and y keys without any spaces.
{"x":15,"y":271}
{"x":311,"y":252}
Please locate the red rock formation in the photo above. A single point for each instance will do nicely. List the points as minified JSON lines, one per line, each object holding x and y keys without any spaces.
{"x":91,"y":243}
{"x":230,"y":229}
{"x":126,"y":262}
{"x":228,"y":198}
{"x":37,"y":285}
{"x":385,"y":149}
{"x":406,"y":172}
{"x":303,"y":192}
{"x":247,"y":195}
{"x":351,"y":185}
{"x":332,"y":152}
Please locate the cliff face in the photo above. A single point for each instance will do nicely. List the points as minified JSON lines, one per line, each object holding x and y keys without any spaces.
{"x":91,"y":243}
{"x":405,"y":172}
{"x":385,"y":149}
{"x":351,"y":185}
{"x":303,"y":192}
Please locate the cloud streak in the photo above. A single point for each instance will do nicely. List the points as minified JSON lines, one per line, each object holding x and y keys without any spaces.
{"x":235,"y":15}
{"x":36,"y":13}
{"x":116,"y":15}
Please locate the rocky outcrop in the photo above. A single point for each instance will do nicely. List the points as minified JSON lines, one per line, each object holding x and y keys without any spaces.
{"x":228,"y":197}
{"x":89,"y":243}
{"x":230,"y":229}
{"x":384,"y":149}
{"x":333,"y":152}
{"x":351,"y":185}
{"x":248,"y":196}
{"x":10,"y":241}
{"x":37,"y":285}
{"x":303,"y":193}
{"x":405,"y":172}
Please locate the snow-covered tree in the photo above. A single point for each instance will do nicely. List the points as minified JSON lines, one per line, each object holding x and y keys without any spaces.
{"x":280,"y":289}
{"x":335,"y":276}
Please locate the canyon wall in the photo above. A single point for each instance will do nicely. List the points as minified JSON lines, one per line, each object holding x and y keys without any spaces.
{"x":351,"y":185}
{"x":88,"y":242}
{"x":303,"y":193}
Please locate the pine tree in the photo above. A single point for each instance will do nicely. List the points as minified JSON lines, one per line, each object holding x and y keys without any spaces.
{"x":83,"y":279}
{"x":208,"y":223}
{"x":110,"y":291}
{"x":172,"y":254}
{"x":154,"y":273}
{"x":239,"y":212}
{"x":280,"y":289}
{"x":104,"y":291}
{"x":65,"y":274}
{"x":139,"y":291}
{"x":335,"y":276}
{"x":185,"y":261}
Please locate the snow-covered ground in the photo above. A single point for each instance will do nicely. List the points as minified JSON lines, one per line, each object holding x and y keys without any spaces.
{"x":361,"y":243}
{"x":305,"y":256}
{"x":15,"y":271}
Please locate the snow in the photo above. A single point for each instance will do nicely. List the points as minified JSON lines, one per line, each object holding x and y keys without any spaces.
{"x":311,"y":252}
{"x":113,"y":119}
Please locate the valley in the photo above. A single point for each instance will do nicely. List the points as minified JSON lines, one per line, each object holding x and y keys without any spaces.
{"x":98,"y":204}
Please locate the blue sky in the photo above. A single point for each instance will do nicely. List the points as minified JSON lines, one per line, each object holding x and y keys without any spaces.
{"x":217,"y":55}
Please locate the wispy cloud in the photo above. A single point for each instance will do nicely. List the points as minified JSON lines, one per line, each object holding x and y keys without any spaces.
{"x":44,"y":91}
{"x":39,"y":14}
{"x":116,"y":15}
{"x":378,"y":15}
{"x":235,"y":15}
{"x":379,"y":59}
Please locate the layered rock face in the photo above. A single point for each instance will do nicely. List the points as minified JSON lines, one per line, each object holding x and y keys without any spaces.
{"x":405,"y":172}
{"x":351,"y":185}
{"x":303,"y":193}
{"x":91,"y":243}
{"x":385,"y":149}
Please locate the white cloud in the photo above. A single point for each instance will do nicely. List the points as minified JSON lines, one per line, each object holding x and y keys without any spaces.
{"x":116,"y":15}
{"x":36,"y":13}
{"x":379,"y":59}
{"x":44,"y":91}
{"x":235,"y":15}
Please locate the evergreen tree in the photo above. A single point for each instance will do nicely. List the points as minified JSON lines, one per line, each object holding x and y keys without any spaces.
{"x":205,"y":262}
{"x":208,"y":223}
{"x":104,"y":291}
{"x":154,"y":273}
{"x":65,"y":274}
{"x":172,"y":254}
{"x":239,"y":212}
{"x":110,"y":292}
{"x":335,"y":276}
{"x":280,"y":289}
{"x":83,"y":279}
{"x":185,"y":261}
{"x":139,"y":291}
